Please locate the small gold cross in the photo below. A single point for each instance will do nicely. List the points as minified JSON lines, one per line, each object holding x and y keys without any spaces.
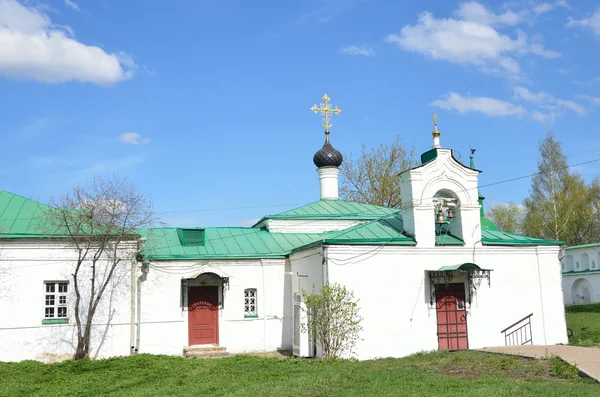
{"x":326,"y":109}
{"x":434,"y":117}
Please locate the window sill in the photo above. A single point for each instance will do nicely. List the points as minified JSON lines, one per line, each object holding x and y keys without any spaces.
{"x":47,"y":321}
{"x":253,"y":316}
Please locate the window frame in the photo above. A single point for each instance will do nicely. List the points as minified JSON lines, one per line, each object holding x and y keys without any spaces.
{"x":59,"y":298}
{"x":248,"y":313}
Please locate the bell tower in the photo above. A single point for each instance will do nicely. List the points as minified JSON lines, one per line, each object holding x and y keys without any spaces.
{"x":440,"y":199}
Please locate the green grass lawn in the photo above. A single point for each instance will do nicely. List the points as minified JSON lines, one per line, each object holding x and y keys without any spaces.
{"x":465,"y":373}
{"x":584,"y":320}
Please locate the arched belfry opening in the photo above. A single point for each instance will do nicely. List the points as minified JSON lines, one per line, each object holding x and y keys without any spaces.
{"x":447,"y":219}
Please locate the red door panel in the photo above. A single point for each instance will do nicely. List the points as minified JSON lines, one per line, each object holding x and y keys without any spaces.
{"x":451,"y":316}
{"x":203,"y":315}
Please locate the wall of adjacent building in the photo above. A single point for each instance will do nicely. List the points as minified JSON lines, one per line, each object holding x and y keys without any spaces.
{"x":581,"y":275}
{"x":394,"y":294}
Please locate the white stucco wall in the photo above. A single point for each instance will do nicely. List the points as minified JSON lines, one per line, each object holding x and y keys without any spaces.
{"x":163,"y":315}
{"x":394,"y":295}
{"x":309,"y":226}
{"x":164,"y":328}
{"x":26,"y":265}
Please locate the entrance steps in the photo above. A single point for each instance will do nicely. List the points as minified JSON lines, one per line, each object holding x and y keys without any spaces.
{"x":205,"y":351}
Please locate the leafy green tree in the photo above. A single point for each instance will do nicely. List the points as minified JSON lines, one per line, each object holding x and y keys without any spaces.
{"x":507,"y":216}
{"x":560,"y":205}
{"x":373,"y":177}
{"x":333,"y":320}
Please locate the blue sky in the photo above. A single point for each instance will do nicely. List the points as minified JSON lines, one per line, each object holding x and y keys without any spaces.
{"x":205,"y":105}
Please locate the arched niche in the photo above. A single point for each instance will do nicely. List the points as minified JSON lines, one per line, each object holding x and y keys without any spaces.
{"x":581,"y":291}
{"x":569,"y":263}
{"x":585,"y":262}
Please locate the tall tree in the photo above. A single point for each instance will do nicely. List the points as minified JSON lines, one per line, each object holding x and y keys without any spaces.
{"x":508,"y":216}
{"x":560,"y":203}
{"x":373,"y":177}
{"x":100,"y":222}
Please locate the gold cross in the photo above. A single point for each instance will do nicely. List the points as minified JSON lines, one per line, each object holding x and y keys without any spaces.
{"x":326,"y":110}
{"x":434,"y":117}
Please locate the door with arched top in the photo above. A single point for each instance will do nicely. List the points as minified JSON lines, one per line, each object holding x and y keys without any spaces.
{"x":203,"y":315}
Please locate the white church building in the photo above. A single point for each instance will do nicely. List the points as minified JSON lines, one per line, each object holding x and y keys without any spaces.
{"x":581,"y":274}
{"x":434,"y":274}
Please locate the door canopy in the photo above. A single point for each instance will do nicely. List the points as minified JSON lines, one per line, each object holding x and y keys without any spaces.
{"x":446,"y":274}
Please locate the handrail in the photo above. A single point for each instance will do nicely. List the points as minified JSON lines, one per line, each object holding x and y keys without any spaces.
{"x":510,"y":326}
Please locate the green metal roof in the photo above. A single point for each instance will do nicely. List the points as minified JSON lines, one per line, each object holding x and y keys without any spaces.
{"x":335,"y":209}
{"x":583,"y":246}
{"x":387,"y":230}
{"x":496,"y":237}
{"x":225,"y":242}
{"x":21,"y":217}
{"x":448,"y":239}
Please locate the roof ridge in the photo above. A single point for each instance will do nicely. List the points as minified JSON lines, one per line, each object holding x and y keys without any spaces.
{"x":23,"y":197}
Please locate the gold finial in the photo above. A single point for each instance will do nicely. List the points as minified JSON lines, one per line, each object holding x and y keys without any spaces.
{"x":435,"y":132}
{"x":326,"y":109}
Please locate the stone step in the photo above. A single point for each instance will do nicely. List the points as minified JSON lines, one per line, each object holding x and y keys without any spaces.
{"x":205,"y":351}
{"x":206,"y":355}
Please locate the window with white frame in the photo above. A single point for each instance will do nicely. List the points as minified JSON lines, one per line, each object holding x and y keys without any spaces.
{"x":250,"y":303}
{"x":55,"y":299}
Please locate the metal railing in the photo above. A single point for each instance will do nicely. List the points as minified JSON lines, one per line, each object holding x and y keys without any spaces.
{"x":521,"y":335}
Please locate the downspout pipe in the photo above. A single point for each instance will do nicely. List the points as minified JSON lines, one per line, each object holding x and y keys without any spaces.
{"x":140,"y":248}
{"x":145,"y":268}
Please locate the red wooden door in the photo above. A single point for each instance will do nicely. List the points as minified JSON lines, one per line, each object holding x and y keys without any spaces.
{"x":203,"y":315}
{"x":451,"y":316}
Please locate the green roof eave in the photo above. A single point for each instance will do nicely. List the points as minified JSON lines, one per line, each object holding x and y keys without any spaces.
{"x":213,"y":257}
{"x":372,"y":241}
{"x":590,"y":245}
{"x":531,"y":243}
{"x":581,"y":273}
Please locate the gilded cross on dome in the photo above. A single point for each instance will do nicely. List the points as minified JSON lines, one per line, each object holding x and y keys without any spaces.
{"x":326,"y":110}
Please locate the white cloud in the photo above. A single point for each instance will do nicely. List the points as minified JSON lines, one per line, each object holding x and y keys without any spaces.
{"x":472,"y":38}
{"x":593,"y":22}
{"x":595,"y":80}
{"x":538,"y":49}
{"x":594,"y":100}
{"x":132,"y":138}
{"x":358,"y":50}
{"x":72,"y":4}
{"x":548,"y":118}
{"x":563,"y":71}
{"x":548,"y":101}
{"x":476,"y":12}
{"x":487,"y":106}
{"x":33,"y":47}
{"x":543,"y":8}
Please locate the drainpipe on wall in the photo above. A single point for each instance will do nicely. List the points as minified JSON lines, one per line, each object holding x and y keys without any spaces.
{"x":145,"y":268}
{"x":140,"y":248}
{"x":325,"y":267}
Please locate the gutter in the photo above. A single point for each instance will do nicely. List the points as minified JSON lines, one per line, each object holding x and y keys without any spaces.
{"x":140,"y":249}
{"x":145,"y":268}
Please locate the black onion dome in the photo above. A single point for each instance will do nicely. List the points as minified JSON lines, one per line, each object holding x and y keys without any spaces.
{"x":328,"y":156}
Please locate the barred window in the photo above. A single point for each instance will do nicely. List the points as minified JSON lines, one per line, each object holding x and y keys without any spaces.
{"x":250,"y":303}
{"x":55,"y":299}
